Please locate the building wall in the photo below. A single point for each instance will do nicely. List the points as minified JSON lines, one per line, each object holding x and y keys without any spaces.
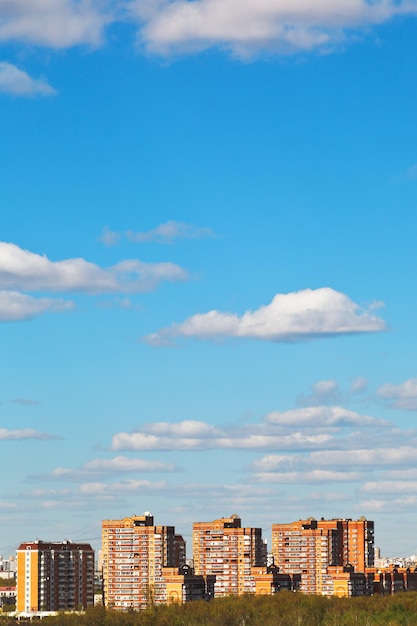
{"x":54,"y":576}
{"x":134,"y":553}
{"x":224,"y":549}
{"x":309,"y":547}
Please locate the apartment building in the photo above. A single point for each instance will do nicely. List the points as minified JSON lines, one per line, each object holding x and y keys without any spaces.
{"x":224,"y":549}
{"x":309,"y":548}
{"x":54,"y":576}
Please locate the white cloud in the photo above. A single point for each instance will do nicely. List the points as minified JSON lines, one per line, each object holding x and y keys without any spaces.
{"x":169,"y":232}
{"x":226,"y":440}
{"x":110,"y":237}
{"x":124,"y":464}
{"x":27,"y":271}
{"x":312,"y":476}
{"x":390,"y":487}
{"x":377,"y":456}
{"x":296,"y":316}
{"x":247,"y":27}
{"x":54,"y":23}
{"x":299,"y":429}
{"x":403,"y":396}
{"x":322,"y":417}
{"x":24,"y":433}
{"x":16,"y":306}
{"x":18,"y":83}
{"x":323,"y":392}
{"x":358,"y":384}
{"x":99,"y":467}
{"x":166,"y":233}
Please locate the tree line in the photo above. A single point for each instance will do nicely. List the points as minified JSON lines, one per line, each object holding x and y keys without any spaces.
{"x":283,"y":609}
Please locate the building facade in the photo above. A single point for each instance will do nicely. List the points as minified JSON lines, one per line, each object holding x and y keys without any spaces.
{"x":224,"y":549}
{"x":310,"y":548}
{"x":135,"y":551}
{"x":53,"y":576}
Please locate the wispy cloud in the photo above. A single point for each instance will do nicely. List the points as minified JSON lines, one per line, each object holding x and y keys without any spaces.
{"x":55,"y":23}
{"x":166,"y":233}
{"x":15,"y":306}
{"x":99,"y":467}
{"x":26,"y":402}
{"x":296,"y":316}
{"x":24,"y":433}
{"x":248,"y":28}
{"x":322,"y":392}
{"x":27,"y":271}
{"x":402,"y":396}
{"x":18,"y":83}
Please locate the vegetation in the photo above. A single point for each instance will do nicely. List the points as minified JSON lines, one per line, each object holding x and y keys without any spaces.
{"x":284,"y":609}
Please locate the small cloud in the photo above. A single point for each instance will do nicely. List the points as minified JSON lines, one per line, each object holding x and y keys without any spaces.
{"x":124,"y":464}
{"x":110,"y":237}
{"x":322,"y":416}
{"x":24,"y":433}
{"x":408,"y":175}
{"x":169,"y":232}
{"x":323,"y":392}
{"x":25,"y":402}
{"x":15,"y":306}
{"x":403,"y":396}
{"x":358,"y":385}
{"x":297,"y":316}
{"x":17,"y":83}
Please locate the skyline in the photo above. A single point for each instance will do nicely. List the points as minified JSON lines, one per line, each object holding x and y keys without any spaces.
{"x":206,"y":257}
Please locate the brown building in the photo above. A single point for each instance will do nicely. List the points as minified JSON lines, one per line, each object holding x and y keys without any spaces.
{"x":54,"y":576}
{"x":135,"y":553}
{"x":309,"y":548}
{"x":224,"y":549}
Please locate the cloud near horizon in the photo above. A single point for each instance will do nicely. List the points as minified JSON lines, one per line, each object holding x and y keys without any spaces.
{"x":296,"y":316}
{"x":16,"y":82}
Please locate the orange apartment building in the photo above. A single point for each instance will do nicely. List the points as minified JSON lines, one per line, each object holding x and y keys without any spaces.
{"x":144,"y":564}
{"x":134,"y":553}
{"x":224,"y":549}
{"x":313,"y":549}
{"x":54,"y":576}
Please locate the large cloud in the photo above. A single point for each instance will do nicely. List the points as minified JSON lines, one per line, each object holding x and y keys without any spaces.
{"x":18,"y":83}
{"x":27,"y":271}
{"x":295,"y":316}
{"x":246,"y":27}
{"x":299,"y":429}
{"x":54,"y":23}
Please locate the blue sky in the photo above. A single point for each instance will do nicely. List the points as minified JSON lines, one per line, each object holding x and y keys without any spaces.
{"x":207,"y":264}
